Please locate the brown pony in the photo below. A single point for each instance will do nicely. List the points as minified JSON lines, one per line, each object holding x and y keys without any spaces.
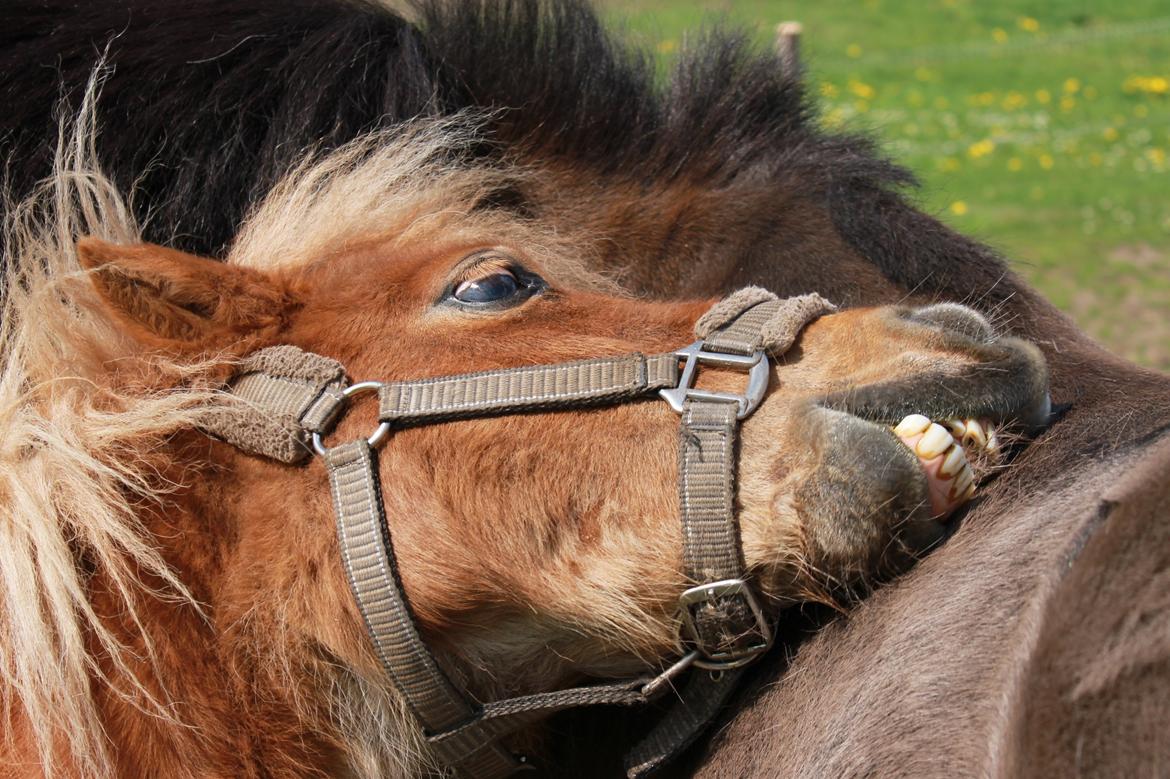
{"x":1033,"y":642}
{"x":174,"y":607}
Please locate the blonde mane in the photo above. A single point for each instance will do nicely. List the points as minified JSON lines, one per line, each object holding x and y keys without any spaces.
{"x":413,"y":183}
{"x":76,"y":455}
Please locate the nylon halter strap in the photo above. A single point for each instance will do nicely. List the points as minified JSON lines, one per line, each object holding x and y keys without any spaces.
{"x":284,"y":400}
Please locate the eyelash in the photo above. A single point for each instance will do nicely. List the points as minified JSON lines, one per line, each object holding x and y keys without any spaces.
{"x":485,"y":266}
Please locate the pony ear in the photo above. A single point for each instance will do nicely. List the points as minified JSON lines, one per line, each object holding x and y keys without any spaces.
{"x":181,"y":302}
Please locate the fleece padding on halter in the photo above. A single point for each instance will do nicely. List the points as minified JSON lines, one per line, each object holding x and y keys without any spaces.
{"x":283,"y":397}
{"x":753,"y":318}
{"x":278,"y":398}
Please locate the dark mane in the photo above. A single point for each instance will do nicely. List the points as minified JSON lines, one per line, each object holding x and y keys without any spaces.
{"x":252,"y":86}
{"x":255,"y":85}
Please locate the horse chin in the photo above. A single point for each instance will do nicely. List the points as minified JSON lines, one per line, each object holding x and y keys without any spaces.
{"x":866,"y":509}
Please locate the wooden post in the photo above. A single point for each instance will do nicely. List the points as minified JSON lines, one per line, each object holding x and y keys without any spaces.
{"x":788,"y":47}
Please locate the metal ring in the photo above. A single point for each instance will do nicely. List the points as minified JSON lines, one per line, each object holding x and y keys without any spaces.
{"x":378,"y":435}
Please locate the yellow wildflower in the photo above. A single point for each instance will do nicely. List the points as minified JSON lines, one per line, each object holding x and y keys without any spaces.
{"x":1150,"y":85}
{"x":1027,"y":24}
{"x":1046,"y":161}
{"x":1043,"y":96}
{"x":948,"y":164}
{"x":1067,"y":103}
{"x":1072,"y":85}
{"x":853,"y":51}
{"x":1013,"y":100}
{"x":666,"y":47}
{"x":1015,"y":164}
{"x":999,"y":35}
{"x":861,"y":89}
{"x":828,"y":89}
{"x":1110,"y":134}
{"x":1157,"y":156}
{"x":981,"y":148}
{"x":958,"y":208}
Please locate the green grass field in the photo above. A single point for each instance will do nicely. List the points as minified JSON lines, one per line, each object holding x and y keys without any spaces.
{"x":1041,"y":127}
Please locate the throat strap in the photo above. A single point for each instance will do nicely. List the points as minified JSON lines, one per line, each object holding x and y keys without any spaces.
{"x":372,"y":569}
{"x":461,"y":733}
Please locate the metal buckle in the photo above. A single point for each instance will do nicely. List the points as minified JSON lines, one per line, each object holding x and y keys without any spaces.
{"x":758,"y":374}
{"x":705,"y":593}
{"x":378,"y":435}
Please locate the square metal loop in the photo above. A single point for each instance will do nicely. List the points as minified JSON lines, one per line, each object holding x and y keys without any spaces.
{"x":714,"y":658}
{"x":756,"y":365}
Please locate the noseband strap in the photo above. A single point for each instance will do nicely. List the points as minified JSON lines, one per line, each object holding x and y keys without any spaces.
{"x":566,"y":385}
{"x":284,"y":400}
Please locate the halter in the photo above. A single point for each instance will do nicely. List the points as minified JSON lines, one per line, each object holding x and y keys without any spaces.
{"x":289,"y":399}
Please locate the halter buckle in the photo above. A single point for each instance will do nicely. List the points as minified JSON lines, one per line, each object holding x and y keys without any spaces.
{"x":756,"y":365}
{"x":715,"y":658}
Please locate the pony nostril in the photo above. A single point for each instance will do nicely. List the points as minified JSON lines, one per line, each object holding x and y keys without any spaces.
{"x":957,"y":318}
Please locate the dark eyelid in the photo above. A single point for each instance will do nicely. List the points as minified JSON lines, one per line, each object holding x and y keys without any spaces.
{"x":489,"y":283}
{"x":482,"y":264}
{"x":474,"y":263}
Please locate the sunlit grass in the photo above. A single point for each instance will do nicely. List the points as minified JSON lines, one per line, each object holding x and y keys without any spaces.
{"x":1042,"y":128}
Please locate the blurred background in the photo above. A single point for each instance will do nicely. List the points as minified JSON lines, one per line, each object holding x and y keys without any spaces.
{"x":1041,"y":128}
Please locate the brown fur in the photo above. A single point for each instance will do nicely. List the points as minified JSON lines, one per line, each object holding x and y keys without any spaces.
{"x":685,"y":238}
{"x":536,"y":550}
{"x":1091,"y":700}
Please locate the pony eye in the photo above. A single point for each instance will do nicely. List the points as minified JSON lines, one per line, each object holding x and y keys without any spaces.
{"x":493,"y":288}
{"x":494,"y":282}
